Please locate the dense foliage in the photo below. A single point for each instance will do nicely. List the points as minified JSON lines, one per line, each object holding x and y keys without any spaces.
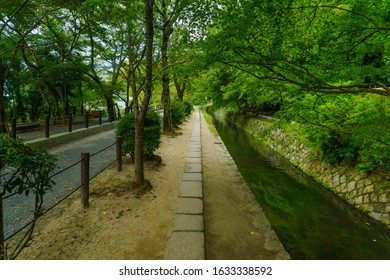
{"x":152,"y":134}
{"x":59,"y":57}
{"x":320,"y":67}
{"x":188,"y":107}
{"x":323,"y":64}
{"x":178,"y":112}
{"x":24,"y":170}
{"x":345,"y":128}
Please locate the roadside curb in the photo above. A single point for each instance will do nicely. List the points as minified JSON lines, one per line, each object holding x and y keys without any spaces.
{"x":66,"y":137}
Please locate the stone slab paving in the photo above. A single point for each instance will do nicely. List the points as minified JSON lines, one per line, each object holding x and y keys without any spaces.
{"x":191,"y":189}
{"x":192,"y":154}
{"x":187,"y":239}
{"x":193,"y":167}
{"x":193,"y":177}
{"x":193,"y":206}
{"x":194,"y":146}
{"x":193,"y":160}
{"x":185,"y":246}
{"x":186,"y":222}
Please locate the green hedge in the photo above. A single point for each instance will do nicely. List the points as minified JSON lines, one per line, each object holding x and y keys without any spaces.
{"x":188,"y":108}
{"x":178,"y":112}
{"x":152,"y":133}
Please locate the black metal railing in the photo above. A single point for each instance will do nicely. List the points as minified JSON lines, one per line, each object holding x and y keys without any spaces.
{"x":54,"y":125}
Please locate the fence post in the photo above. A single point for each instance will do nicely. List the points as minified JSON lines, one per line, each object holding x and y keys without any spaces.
{"x":86,"y":120}
{"x":119,"y":152}
{"x":2,"y":251}
{"x":100,"y":117}
{"x":47,"y":126}
{"x":13,"y":127}
{"x":85,"y":180}
{"x":70,"y":121}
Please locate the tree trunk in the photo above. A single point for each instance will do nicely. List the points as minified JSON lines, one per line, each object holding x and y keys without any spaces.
{"x":110,"y":108}
{"x":41,"y":90}
{"x":139,"y":176}
{"x":65,"y":111}
{"x":3,"y":127}
{"x":140,"y":113}
{"x":56,"y":95}
{"x":131,"y":80}
{"x":2,"y":257}
{"x":20,"y":108}
{"x":2,"y":251}
{"x":166,"y":96}
{"x":180,"y":88}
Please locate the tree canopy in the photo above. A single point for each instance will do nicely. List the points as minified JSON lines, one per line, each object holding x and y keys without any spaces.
{"x":322,"y":63}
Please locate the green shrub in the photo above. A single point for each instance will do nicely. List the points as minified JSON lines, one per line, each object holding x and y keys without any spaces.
{"x":374,"y":140}
{"x":188,"y":108}
{"x":336,"y":147}
{"x":27,"y":171}
{"x":177,"y":112}
{"x":152,"y":131}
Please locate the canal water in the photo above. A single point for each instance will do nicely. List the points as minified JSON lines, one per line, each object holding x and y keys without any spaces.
{"x":310,"y":221}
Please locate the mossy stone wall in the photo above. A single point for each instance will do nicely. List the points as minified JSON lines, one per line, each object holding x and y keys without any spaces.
{"x":369,"y":193}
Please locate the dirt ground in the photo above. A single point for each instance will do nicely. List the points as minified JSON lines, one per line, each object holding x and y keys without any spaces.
{"x":122,"y":223}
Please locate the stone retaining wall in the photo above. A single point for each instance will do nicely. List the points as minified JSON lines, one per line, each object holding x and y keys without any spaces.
{"x":369,"y":193}
{"x":67,"y":137}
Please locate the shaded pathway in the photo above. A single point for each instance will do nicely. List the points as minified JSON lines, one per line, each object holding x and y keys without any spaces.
{"x":217,"y":216}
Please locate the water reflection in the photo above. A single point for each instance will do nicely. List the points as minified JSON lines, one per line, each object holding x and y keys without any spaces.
{"x":311,"y":222}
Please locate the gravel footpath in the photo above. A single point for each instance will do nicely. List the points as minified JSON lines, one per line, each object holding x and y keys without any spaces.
{"x":18,"y":208}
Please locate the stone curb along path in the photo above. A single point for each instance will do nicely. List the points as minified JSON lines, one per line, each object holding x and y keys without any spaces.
{"x":187,"y":240}
{"x":66,"y":137}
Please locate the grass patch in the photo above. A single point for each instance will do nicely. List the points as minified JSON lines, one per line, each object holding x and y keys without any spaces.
{"x":210,"y":123}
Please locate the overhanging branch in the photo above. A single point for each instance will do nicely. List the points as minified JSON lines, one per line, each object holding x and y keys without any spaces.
{"x":325,"y":88}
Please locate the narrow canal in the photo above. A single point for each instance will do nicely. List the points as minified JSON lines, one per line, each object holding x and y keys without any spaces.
{"x":310,"y":221}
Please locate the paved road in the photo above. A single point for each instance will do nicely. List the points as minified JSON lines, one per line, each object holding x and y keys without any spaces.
{"x":18,"y":209}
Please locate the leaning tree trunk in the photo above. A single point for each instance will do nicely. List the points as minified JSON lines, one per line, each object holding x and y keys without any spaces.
{"x":139,"y":176}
